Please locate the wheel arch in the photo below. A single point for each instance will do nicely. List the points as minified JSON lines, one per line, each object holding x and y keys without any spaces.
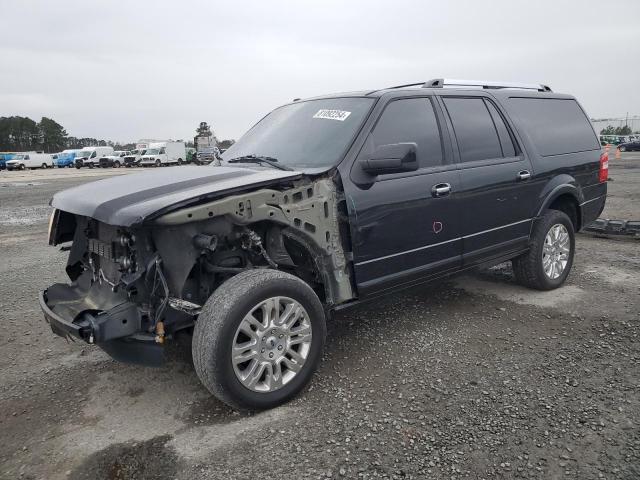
{"x":565,"y":197}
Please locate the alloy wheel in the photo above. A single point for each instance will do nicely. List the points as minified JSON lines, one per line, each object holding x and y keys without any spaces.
{"x":555,"y":251}
{"x":271,"y":344}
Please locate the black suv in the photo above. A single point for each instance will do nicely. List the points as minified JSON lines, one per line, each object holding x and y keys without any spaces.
{"x":324,"y":203}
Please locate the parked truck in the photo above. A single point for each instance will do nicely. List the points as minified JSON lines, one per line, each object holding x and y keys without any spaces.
{"x":90,"y":156}
{"x":66,"y":158}
{"x":164,"y":153}
{"x":135,"y":156}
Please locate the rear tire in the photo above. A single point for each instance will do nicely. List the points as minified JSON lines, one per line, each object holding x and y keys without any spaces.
{"x":44,"y":166}
{"x":546,"y":265}
{"x":218,"y":333}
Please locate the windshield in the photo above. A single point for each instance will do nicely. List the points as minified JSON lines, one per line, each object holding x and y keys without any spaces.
{"x":84,"y":153}
{"x":18,"y":157}
{"x":309,"y":134}
{"x":152,"y":151}
{"x":117,"y":153}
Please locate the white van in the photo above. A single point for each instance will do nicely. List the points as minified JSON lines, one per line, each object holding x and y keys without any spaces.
{"x":30,"y":160}
{"x":164,"y":153}
{"x":90,"y":156}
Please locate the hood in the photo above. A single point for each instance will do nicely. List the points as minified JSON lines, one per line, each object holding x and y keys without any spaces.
{"x":130,"y":199}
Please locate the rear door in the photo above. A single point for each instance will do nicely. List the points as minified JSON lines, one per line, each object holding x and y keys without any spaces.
{"x":402,"y":230}
{"x":496,"y":192}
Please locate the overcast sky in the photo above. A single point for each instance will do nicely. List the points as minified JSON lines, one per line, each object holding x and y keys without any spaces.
{"x":124,"y":70}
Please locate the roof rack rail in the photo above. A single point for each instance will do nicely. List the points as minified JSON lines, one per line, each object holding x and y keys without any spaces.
{"x":419,"y":84}
{"x":447,"y":82}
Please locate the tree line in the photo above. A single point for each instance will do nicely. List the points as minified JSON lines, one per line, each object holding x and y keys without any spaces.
{"x":611,"y":130}
{"x":22,"y":134}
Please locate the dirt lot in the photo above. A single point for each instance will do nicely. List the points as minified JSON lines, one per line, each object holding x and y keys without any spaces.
{"x":472,"y":378}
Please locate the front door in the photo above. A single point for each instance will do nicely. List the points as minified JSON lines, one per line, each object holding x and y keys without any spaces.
{"x":405,"y":227}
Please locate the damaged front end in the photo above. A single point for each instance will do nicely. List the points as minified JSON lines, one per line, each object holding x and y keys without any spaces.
{"x":133,"y":287}
{"x":119,"y":294}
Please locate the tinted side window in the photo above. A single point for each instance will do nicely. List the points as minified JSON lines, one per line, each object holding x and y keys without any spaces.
{"x":410,"y":120}
{"x":506,"y":142}
{"x":474,"y":128}
{"x":556,"y":126}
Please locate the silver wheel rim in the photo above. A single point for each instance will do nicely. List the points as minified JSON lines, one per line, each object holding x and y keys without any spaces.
{"x":271,"y":344}
{"x":555,"y":252}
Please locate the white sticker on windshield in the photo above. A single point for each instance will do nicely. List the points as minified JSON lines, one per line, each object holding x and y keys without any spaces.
{"x":339,"y":115}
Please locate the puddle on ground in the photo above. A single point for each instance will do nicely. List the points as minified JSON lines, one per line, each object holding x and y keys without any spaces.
{"x":151,"y":459}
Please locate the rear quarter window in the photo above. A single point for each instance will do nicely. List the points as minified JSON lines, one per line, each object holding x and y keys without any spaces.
{"x":556,"y":126}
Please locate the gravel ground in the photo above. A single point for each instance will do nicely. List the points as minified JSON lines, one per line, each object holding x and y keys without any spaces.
{"x":471,"y":378}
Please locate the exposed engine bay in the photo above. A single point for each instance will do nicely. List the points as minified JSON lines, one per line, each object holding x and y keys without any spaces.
{"x":145,"y":282}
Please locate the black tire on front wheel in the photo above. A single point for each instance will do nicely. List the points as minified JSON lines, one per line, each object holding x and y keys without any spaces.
{"x":216,"y":327}
{"x":528,"y":268}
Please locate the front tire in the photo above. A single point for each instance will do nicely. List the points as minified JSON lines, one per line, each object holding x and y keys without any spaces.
{"x":548,"y":262}
{"x":259,"y":339}
{"x":116,"y":164}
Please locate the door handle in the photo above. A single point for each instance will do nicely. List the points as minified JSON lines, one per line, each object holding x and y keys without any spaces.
{"x":441,"y":190}
{"x":524,"y":175}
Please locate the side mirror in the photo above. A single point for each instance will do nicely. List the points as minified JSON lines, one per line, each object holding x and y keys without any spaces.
{"x":392,"y":158}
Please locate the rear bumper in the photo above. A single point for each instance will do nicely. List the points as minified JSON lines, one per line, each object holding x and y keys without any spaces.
{"x":591,"y":209}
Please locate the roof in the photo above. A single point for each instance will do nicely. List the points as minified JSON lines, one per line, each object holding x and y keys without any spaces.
{"x":441,"y":84}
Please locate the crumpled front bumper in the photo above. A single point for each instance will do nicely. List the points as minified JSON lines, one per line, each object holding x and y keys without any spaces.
{"x":94,"y":313}
{"x":59,"y":325}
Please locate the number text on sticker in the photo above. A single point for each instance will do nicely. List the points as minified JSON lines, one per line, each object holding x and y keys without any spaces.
{"x":339,"y":115}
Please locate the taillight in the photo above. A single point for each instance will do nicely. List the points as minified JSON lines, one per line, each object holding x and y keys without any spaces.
{"x":604,"y":167}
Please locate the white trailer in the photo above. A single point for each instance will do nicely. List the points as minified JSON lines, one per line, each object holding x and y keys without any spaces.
{"x":25,"y":160}
{"x":90,"y":156}
{"x":164,"y":153}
